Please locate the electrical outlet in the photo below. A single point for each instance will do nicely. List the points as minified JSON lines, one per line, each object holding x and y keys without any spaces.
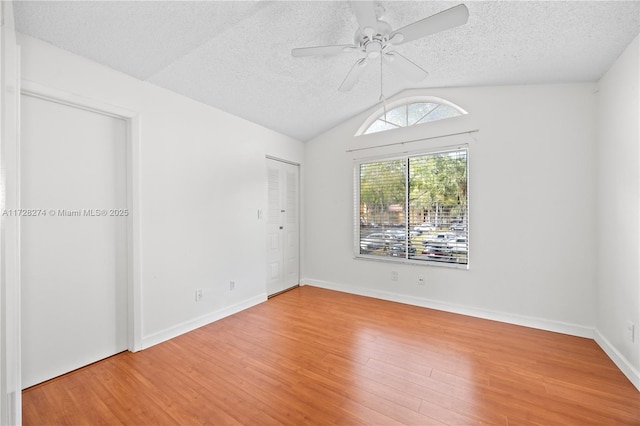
{"x":421,"y":279}
{"x":232,"y":285}
{"x":198,"y":295}
{"x":394,"y":275}
{"x":631,"y":331}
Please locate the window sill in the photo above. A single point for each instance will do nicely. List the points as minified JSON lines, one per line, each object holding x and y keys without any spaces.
{"x":428,"y":263}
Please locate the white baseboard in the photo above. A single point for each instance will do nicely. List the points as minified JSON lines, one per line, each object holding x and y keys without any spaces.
{"x":533,"y":322}
{"x":618,"y":359}
{"x":187,"y":326}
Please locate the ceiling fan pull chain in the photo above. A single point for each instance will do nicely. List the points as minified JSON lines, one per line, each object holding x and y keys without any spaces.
{"x":384,"y":105}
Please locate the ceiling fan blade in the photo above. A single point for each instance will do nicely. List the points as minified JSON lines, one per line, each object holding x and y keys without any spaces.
{"x":365,"y":12}
{"x":322,"y":50}
{"x":453,"y":17}
{"x":352,"y":78}
{"x":405,"y":67}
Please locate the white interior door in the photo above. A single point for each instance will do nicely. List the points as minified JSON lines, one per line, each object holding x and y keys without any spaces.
{"x":73,"y":259}
{"x":283,"y":226}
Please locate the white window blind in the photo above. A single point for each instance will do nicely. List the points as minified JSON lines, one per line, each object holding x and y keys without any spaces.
{"x":414,"y":208}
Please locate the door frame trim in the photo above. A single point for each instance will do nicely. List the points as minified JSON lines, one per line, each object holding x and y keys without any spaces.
{"x":10,"y":378}
{"x":132,"y":118}
{"x":293,"y":163}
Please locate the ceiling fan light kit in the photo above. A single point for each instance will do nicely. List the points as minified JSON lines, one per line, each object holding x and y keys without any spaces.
{"x":375,"y":39}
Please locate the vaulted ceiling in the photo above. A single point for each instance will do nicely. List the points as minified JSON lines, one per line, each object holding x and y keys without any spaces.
{"x":236,"y":55}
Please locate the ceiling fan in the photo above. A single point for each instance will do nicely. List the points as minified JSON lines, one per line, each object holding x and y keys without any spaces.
{"x":375,"y":39}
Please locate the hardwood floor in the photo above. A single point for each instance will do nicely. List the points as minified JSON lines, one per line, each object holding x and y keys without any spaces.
{"x":313,"y":356}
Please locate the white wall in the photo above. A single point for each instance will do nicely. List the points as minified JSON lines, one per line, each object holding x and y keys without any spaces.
{"x":202,"y":181}
{"x":618,"y":282}
{"x":532,"y":209}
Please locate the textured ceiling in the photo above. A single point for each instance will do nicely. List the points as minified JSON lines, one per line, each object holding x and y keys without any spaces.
{"x":236,"y":55}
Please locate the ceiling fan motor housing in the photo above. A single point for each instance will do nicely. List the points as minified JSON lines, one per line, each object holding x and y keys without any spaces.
{"x":373,"y":41}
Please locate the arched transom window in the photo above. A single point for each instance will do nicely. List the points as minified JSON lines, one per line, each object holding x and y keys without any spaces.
{"x":409,"y":113}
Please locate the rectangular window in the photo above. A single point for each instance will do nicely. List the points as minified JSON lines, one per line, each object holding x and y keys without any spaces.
{"x":414,"y":208}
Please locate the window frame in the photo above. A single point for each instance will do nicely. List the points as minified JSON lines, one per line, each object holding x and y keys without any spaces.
{"x":406,"y":156}
{"x":402,"y":102}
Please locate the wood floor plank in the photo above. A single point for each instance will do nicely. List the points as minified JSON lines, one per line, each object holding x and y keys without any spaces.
{"x":314,"y":356}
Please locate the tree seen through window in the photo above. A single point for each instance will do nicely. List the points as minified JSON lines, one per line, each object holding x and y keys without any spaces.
{"x":415,"y":207}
